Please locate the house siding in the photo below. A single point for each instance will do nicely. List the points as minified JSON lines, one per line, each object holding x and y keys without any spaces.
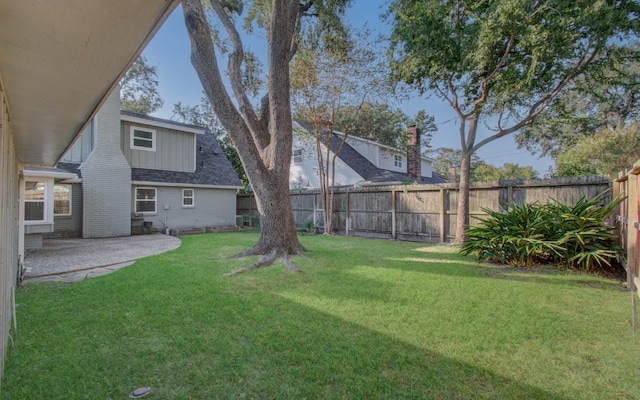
{"x":174,"y":150}
{"x":82,"y":147}
{"x":106,"y":178}
{"x":9,"y":224}
{"x":213,"y":208}
{"x":305,"y":175}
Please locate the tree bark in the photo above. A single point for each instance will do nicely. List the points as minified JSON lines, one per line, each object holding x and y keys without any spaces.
{"x":265,"y":151}
{"x":463,"y":197}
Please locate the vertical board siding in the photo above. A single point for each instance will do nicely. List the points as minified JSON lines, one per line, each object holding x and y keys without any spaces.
{"x":174,"y":149}
{"x":426,"y":213}
{"x":9,"y":230}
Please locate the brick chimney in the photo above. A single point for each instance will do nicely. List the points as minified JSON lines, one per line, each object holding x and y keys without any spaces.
{"x":413,"y":153}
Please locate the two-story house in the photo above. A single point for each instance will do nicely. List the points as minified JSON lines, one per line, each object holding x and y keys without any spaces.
{"x":127,"y":168}
{"x":360,"y":161}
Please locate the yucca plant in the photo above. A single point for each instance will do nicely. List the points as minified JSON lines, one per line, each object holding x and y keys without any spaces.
{"x":516,"y":237}
{"x":531,"y":234}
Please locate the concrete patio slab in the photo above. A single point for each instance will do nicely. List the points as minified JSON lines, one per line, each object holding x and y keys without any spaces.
{"x":69,"y":260}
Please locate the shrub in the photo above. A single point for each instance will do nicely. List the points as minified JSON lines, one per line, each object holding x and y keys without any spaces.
{"x":532,"y":234}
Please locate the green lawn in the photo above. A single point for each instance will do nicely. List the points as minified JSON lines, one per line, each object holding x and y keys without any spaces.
{"x":369,"y":319}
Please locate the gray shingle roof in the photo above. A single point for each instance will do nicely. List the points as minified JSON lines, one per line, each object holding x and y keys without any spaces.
{"x":212,"y":168}
{"x":369,"y":171}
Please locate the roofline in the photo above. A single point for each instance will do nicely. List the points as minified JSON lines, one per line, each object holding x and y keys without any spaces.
{"x":160,"y":122}
{"x":377,"y":144}
{"x":40,"y":173}
{"x":186,"y":185}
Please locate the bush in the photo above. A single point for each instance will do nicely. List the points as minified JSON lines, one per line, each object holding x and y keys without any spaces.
{"x":533,"y":234}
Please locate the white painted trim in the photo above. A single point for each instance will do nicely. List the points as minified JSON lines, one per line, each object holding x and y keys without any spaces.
{"x":192,"y":197}
{"x":158,"y":124}
{"x":158,"y":184}
{"x":53,"y":174}
{"x":132,"y":138}
{"x":135,"y":200}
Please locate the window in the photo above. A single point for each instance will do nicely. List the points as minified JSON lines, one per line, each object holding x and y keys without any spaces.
{"x":297,"y":156}
{"x":145,"y":200}
{"x":34,"y":200}
{"x":397,"y":160}
{"x":62,"y":200}
{"x":143,"y":138}
{"x":188,"y":197}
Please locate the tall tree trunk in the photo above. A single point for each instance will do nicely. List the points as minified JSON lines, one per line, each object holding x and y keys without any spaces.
{"x":463,"y":197}
{"x":264,"y":148}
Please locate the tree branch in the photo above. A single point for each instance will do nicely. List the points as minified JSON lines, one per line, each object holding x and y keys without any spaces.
{"x":234,"y":69}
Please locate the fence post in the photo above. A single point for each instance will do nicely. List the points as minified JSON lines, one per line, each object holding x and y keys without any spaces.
{"x":632,"y":232}
{"x":393,"y":214}
{"x":443,"y":216}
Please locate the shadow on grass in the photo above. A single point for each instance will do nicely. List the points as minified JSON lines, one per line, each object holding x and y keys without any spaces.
{"x":200,"y":345}
{"x":453,"y":264}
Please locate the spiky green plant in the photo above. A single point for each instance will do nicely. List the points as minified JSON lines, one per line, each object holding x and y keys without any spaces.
{"x":530,"y":234}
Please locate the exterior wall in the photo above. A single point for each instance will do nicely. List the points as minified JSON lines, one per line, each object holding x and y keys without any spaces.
{"x":69,"y":225}
{"x":174,"y":150}
{"x":304,"y":175}
{"x":33,"y":241}
{"x":425,"y":168}
{"x":106,"y":178}
{"x":386,"y":160}
{"x":82,"y":147}
{"x":10,"y":256}
{"x":212,"y":208}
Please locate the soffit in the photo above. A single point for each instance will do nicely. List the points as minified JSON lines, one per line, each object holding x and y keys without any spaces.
{"x":59,"y":60}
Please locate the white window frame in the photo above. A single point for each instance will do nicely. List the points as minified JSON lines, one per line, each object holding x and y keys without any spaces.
{"x":192,"y":197}
{"x":397,"y":160}
{"x":45,"y":214}
{"x":141,"y":129}
{"x":298,"y":156}
{"x":70,"y":200}
{"x":155,"y":199}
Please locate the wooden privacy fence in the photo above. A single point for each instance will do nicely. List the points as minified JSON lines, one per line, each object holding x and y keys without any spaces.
{"x":628,"y":227}
{"x":424,"y":213}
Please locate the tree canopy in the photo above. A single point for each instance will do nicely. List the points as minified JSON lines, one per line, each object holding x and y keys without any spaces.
{"x":606,"y":99}
{"x":139,"y":88}
{"x":604,"y":153}
{"x":501,"y":63}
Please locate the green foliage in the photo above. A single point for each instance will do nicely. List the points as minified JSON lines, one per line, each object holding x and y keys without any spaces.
{"x":532,"y":234}
{"x":604,"y":100}
{"x":445,"y":158}
{"x":139,"y":88}
{"x":604,"y":153}
{"x":383,"y":124}
{"x":309,"y":227}
{"x":508,"y":172}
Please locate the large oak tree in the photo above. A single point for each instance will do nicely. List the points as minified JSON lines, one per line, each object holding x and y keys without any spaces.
{"x":502,"y":62}
{"x":263,"y":137}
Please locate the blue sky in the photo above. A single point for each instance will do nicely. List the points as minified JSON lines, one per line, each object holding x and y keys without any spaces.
{"x":170,"y":52}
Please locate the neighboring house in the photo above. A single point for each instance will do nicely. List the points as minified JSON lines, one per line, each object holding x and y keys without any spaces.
{"x":128,"y":171}
{"x":361,"y":161}
{"x":58,"y":64}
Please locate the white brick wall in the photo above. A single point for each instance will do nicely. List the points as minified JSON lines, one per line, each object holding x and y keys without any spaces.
{"x":106,"y":178}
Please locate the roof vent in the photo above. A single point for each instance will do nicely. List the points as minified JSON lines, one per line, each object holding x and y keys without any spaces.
{"x":202,"y":163}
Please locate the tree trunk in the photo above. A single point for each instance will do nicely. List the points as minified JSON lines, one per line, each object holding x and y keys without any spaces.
{"x":463,"y":197}
{"x":264,"y":149}
{"x":277,"y":226}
